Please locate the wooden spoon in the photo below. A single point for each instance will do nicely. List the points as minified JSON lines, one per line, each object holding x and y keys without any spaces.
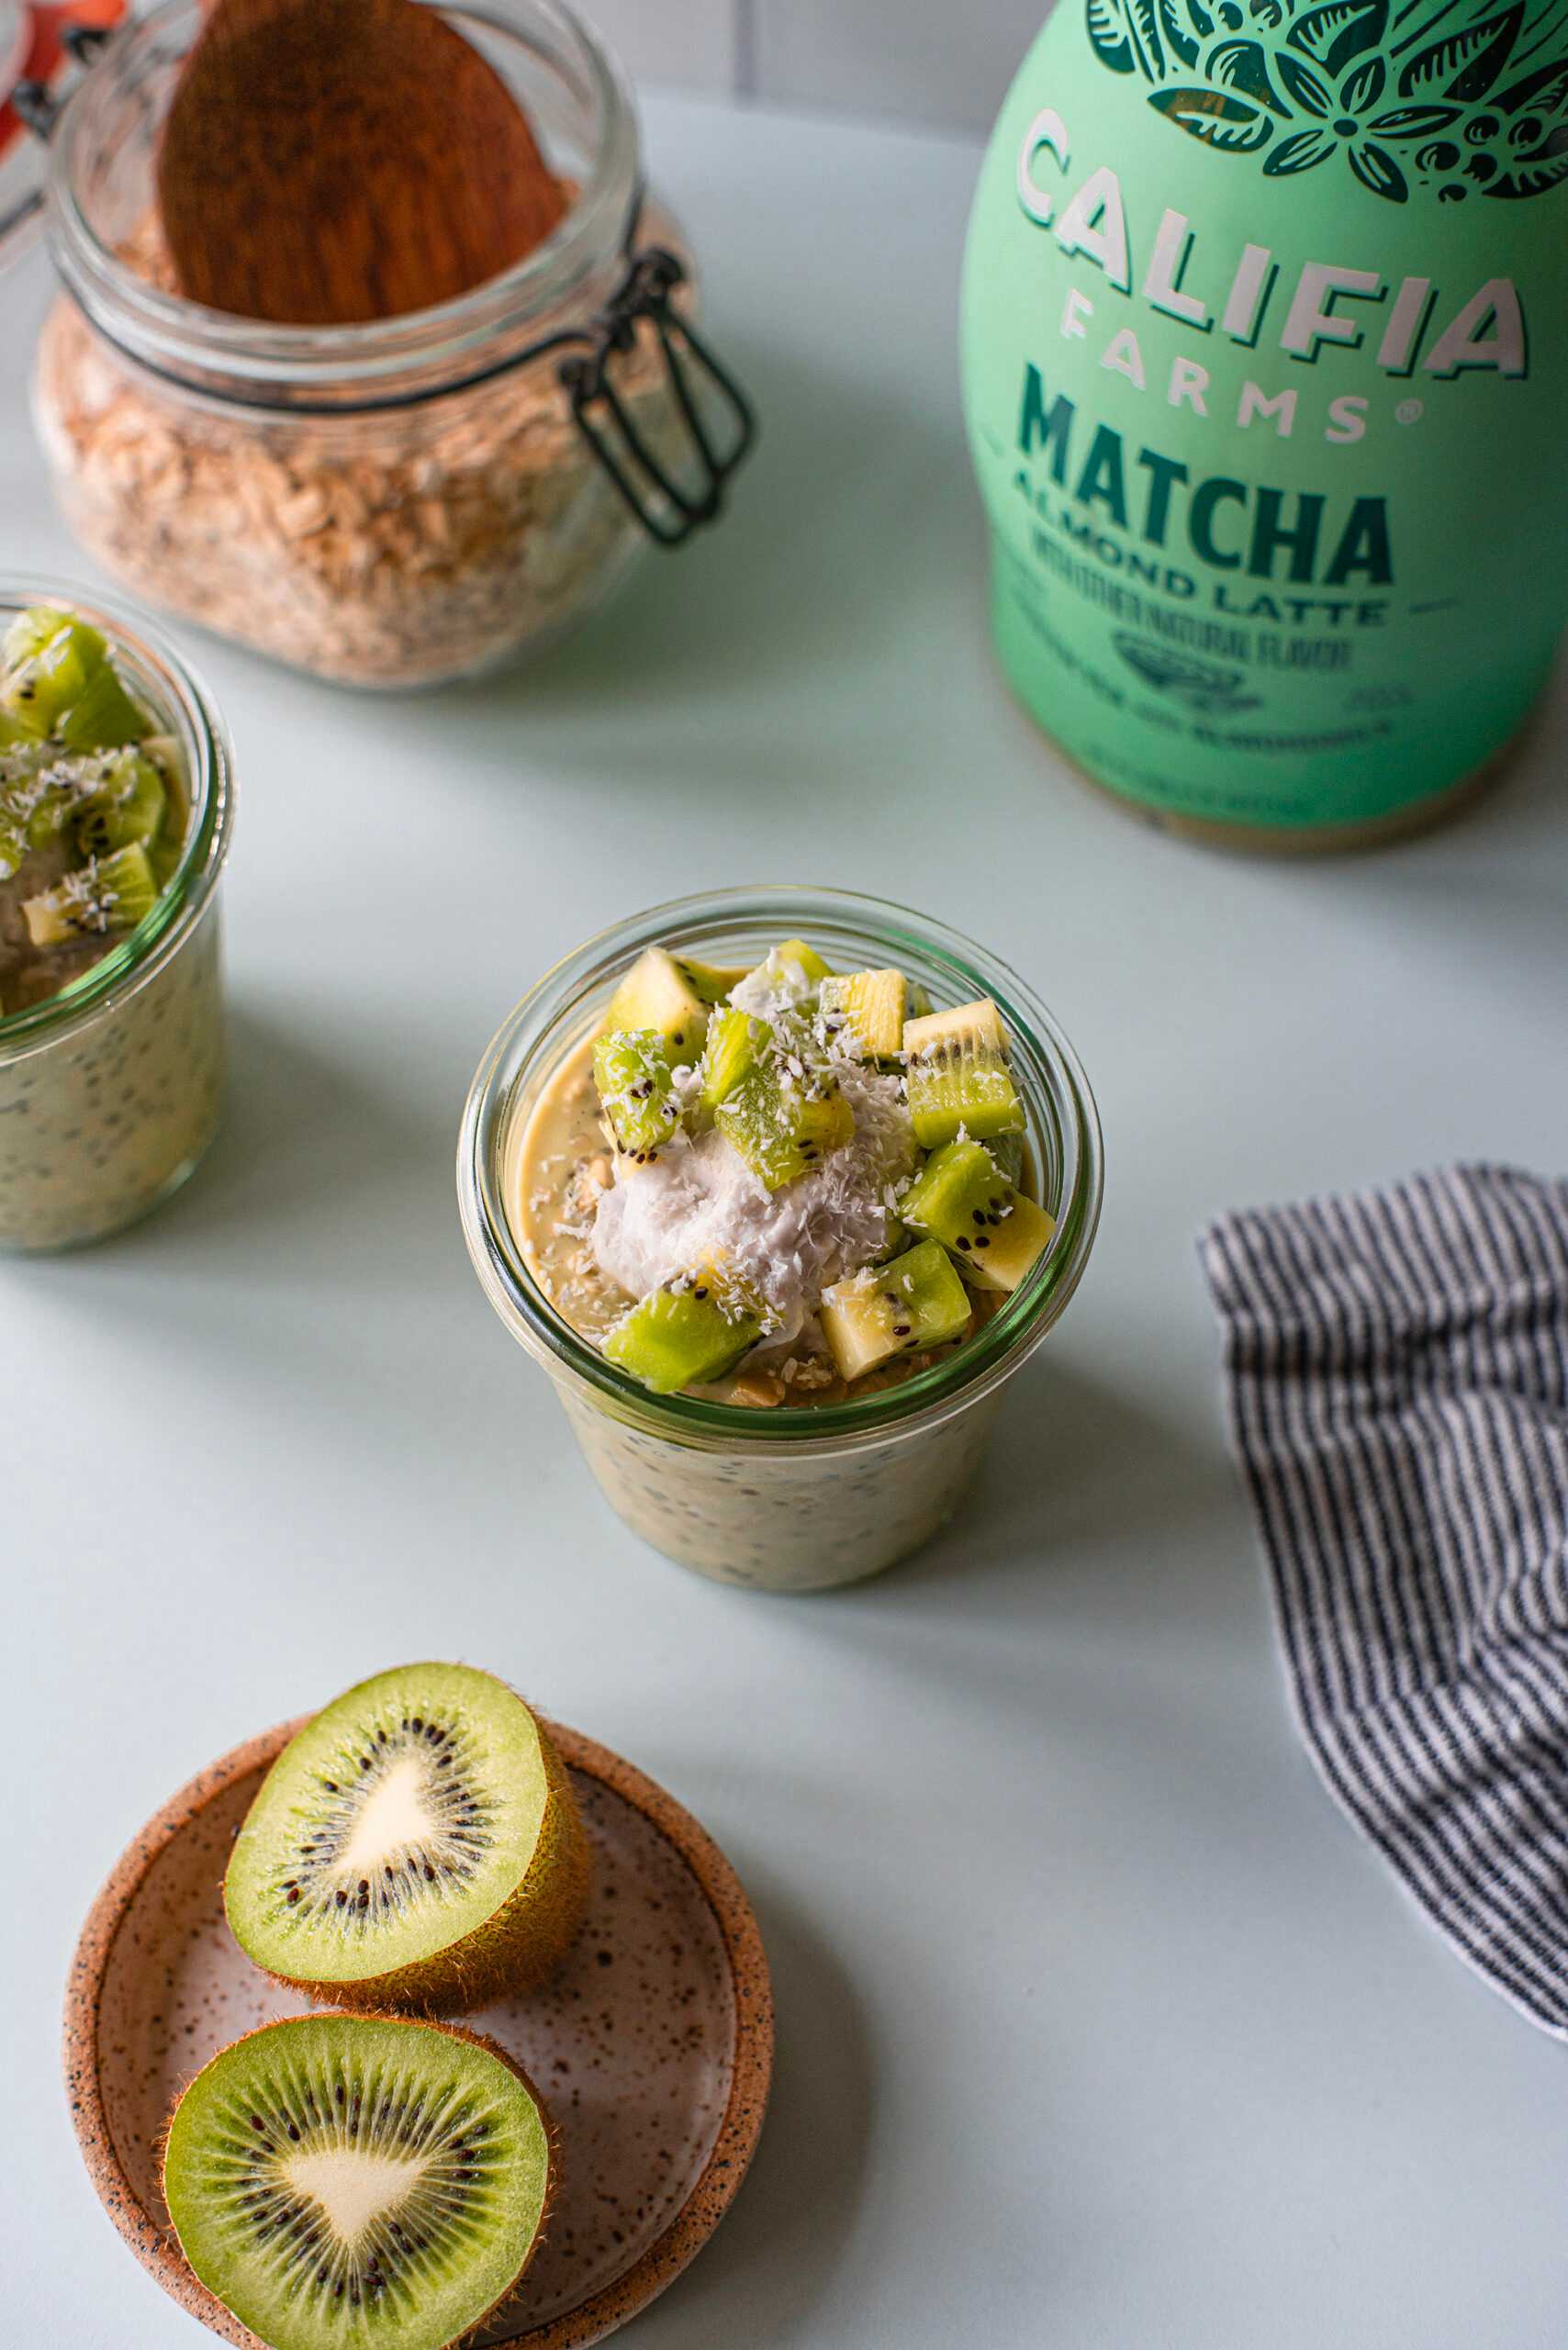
{"x":325,"y":161}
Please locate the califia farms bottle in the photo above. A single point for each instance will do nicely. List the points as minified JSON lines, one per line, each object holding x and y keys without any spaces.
{"x":1265,"y":316}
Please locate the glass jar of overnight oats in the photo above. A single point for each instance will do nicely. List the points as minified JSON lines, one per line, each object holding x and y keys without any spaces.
{"x":798,"y":1496}
{"x":109,"y":1088}
{"x":401,"y":502}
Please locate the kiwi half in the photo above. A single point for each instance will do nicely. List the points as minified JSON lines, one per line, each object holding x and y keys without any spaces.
{"x":416,"y":1847}
{"x":347,"y":2180}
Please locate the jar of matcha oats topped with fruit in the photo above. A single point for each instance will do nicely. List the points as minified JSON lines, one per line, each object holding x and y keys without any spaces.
{"x":116,"y":799}
{"x":406,"y":500}
{"x":780,"y":1187}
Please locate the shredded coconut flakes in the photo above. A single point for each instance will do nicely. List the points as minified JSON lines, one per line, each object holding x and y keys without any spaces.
{"x":699,"y":1202}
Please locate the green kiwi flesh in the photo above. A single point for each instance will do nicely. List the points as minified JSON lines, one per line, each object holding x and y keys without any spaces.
{"x":957,"y":1076}
{"x":60,"y":681}
{"x":656,"y":993}
{"x":913,"y":1301}
{"x":414,"y":1848}
{"x":711,"y":983}
{"x":780,"y":1129}
{"x":993,"y":1232}
{"x":806,"y":958}
{"x":359,"y":2182}
{"x":109,"y":893}
{"x":636,"y":1088}
{"x":870,"y":1007}
{"x":683,"y":1335}
{"x":126,"y":804}
{"x":736,"y":1045}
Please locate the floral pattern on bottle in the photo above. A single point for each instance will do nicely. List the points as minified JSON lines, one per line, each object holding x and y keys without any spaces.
{"x":1401,"y":95}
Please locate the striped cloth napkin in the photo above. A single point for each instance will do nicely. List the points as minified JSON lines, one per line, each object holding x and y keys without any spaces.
{"x":1397,"y":1367}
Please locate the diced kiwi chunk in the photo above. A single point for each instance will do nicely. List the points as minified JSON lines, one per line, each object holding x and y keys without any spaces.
{"x":38,"y":626}
{"x":38,"y":801}
{"x":656,"y":993}
{"x":780,"y":1129}
{"x":60,"y":682}
{"x":734,"y":1047}
{"x":692,"y":1330}
{"x":958,"y":1076}
{"x":961,"y":1198}
{"x":637,"y":1087}
{"x":915,"y":1302}
{"x":711,"y":981}
{"x":869,"y":1007}
{"x":796,"y":950}
{"x":49,"y":658}
{"x":110,"y":893}
{"x":126,"y":804}
{"x":1008,"y":1151}
{"x":104,"y":717}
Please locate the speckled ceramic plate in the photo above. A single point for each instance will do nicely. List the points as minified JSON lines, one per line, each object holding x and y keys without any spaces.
{"x":653,"y":2046}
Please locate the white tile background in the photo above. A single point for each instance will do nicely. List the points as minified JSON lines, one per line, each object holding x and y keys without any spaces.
{"x":941,"y":61}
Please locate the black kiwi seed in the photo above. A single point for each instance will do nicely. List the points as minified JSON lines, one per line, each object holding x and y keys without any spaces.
{"x":963,"y":1240}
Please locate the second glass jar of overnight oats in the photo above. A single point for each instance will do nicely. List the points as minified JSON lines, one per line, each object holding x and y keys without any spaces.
{"x":799,"y":1496}
{"x":401,"y":502}
{"x":110,"y":1090}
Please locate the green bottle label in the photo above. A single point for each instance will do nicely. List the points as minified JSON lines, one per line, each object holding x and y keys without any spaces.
{"x":1265,"y":316}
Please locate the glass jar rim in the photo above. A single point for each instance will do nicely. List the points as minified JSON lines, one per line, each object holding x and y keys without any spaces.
{"x":176,"y":694}
{"x":443,"y":347}
{"x":1044,"y":1064}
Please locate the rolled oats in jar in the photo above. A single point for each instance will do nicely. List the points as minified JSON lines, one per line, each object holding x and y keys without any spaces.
{"x":397,"y":503}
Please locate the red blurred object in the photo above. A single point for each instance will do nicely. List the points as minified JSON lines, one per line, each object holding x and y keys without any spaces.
{"x":43,"y":50}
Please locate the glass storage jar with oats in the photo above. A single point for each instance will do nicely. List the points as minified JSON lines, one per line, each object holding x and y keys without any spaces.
{"x":110,"y":1083}
{"x":402,"y":502}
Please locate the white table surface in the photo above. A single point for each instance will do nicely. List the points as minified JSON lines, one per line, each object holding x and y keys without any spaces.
{"x":1097,"y":2025}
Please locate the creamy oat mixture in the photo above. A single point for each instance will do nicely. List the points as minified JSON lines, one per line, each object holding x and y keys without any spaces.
{"x":100,"y":1123}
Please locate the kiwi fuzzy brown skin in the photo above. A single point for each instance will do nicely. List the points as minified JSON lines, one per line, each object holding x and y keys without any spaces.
{"x":513,"y":1951}
{"x":452,"y":2031}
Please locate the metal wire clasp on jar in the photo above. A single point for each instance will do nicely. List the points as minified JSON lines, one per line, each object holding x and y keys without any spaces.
{"x":399,"y":503}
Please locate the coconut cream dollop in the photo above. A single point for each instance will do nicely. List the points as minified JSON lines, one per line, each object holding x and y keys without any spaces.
{"x":699,"y":1202}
